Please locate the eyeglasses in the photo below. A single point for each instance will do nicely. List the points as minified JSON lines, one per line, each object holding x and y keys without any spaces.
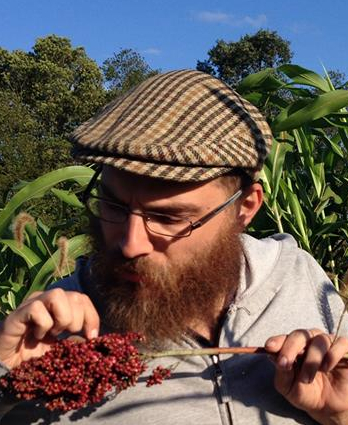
{"x":160,"y":224}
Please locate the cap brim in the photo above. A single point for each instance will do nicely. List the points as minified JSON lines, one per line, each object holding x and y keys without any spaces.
{"x":168,"y":172}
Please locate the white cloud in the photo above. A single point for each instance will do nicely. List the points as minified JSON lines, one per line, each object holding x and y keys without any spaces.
{"x":255,"y":22}
{"x":206,"y":16}
{"x":229,"y":19}
{"x":300,"y":28}
{"x":152,"y":51}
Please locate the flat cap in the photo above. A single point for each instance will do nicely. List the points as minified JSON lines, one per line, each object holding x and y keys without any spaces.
{"x":181,"y":125}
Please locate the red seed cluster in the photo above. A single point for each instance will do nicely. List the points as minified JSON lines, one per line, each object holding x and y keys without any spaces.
{"x":157,"y":376}
{"x":72,"y":375}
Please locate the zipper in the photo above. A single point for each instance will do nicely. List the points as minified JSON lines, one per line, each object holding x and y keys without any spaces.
{"x":217,"y":375}
{"x":224,"y":404}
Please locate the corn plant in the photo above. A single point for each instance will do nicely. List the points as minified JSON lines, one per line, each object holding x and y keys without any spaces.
{"x":30,"y":264}
{"x":305,"y":178}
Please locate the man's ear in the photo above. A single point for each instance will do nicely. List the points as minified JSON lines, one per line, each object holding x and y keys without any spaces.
{"x":250,"y":203}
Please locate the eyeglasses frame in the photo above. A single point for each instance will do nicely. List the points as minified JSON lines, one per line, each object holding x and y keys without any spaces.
{"x":193,"y":225}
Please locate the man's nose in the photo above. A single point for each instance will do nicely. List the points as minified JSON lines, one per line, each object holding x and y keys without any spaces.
{"x":135,"y":240}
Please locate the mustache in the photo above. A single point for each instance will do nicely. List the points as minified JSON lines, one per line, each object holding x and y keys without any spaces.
{"x":117,"y":264}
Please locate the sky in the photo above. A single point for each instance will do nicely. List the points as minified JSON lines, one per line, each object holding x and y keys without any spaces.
{"x":174,"y":34}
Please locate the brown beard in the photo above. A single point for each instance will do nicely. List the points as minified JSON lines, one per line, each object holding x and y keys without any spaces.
{"x":168,"y":301}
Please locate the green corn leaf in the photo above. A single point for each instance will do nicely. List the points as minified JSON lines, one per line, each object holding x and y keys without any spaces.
{"x":285,"y":113}
{"x":254,"y":97}
{"x":26,"y":253}
{"x":68,"y":197}
{"x":329,"y":193}
{"x":263,"y":79}
{"x":298,"y":217}
{"x":278,"y":101}
{"x":333,"y":122}
{"x":300,"y":92}
{"x":293,"y":228}
{"x":338,"y":120}
{"x":11,"y":300}
{"x":332,"y":218}
{"x":44,"y":240}
{"x":329,"y":229}
{"x":304,"y":76}
{"x":317,"y":108}
{"x":266,"y":176}
{"x":279,"y":151}
{"x":317,"y":172}
{"x":303,"y":190}
{"x":321,"y":207}
{"x":78,"y":246}
{"x":345,"y":231}
{"x":341,"y":114}
{"x":333,"y":143}
{"x":40,"y":186}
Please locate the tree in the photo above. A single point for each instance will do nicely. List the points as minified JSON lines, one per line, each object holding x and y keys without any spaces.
{"x":125,"y":70}
{"x":44,"y":95}
{"x":338,"y":79}
{"x":61,"y":84}
{"x":232,"y":61}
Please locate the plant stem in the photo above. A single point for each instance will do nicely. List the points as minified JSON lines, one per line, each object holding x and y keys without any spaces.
{"x":220,"y":350}
{"x":207,"y":352}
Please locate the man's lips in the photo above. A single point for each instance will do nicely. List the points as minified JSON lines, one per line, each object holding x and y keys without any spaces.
{"x":132,"y":277}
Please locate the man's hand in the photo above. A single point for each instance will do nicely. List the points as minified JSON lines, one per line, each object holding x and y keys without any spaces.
{"x":312,"y":374}
{"x":31,"y":329}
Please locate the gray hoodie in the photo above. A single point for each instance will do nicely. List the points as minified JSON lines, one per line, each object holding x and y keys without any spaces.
{"x":282,"y":288}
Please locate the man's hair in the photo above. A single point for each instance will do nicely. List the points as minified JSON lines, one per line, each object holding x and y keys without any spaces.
{"x":234,"y":180}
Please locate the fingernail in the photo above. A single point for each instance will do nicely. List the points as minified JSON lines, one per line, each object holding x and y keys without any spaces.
{"x":270,"y":343}
{"x":283,"y":363}
{"x":93,"y":333}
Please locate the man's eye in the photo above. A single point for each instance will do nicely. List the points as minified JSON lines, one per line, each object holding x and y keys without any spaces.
{"x":165,"y":219}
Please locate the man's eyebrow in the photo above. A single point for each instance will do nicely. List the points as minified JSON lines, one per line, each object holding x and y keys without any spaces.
{"x":178,"y":208}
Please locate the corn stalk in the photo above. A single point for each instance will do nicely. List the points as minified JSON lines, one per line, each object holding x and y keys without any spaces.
{"x":305,"y":178}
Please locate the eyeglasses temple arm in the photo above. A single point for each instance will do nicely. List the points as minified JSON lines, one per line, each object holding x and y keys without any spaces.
{"x":213,"y":213}
{"x":91,"y":184}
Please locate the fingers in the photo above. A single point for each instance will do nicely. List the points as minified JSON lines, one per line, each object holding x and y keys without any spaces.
{"x":310,"y":350}
{"x":335,"y":355}
{"x":53,"y":312}
{"x":316,"y":351}
{"x":84,"y":315}
{"x":289,"y":347}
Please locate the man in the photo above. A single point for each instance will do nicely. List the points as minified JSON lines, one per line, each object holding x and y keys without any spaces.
{"x":180,"y":156}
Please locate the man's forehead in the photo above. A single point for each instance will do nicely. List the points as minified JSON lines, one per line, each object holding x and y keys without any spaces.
{"x":120,"y":180}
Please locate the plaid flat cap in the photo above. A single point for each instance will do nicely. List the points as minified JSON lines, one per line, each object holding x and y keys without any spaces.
{"x":181,"y":126}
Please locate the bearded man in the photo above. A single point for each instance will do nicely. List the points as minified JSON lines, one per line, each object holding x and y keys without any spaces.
{"x":176,"y":187}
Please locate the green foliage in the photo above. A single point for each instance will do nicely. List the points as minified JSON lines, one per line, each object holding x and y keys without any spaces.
{"x":44,"y":94}
{"x":125,"y":70}
{"x":306,"y":175}
{"x":31,"y":266}
{"x":232,"y":61}
{"x":59,"y":83}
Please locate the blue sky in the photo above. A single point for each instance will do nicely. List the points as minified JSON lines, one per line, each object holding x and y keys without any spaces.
{"x":173,"y":34}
